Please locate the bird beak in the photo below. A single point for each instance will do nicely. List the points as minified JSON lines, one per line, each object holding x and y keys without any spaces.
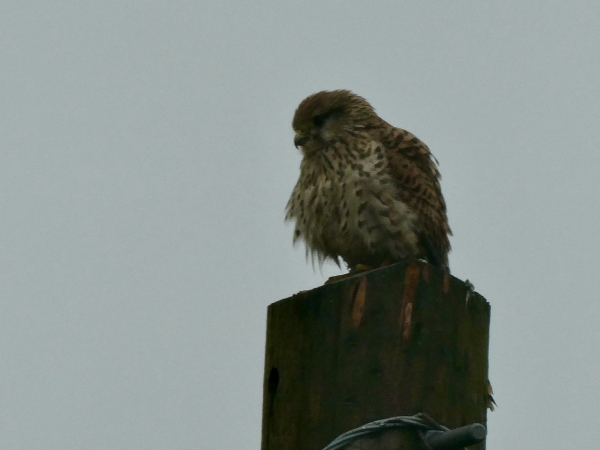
{"x":300,"y":140}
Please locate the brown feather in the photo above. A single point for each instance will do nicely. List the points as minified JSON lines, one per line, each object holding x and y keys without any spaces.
{"x":368,"y":192}
{"x":415,"y":172}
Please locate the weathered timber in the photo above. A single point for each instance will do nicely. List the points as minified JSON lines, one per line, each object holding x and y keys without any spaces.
{"x":395,"y":341}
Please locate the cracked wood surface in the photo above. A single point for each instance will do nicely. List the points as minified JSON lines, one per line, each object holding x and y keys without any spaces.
{"x":394,"y":341}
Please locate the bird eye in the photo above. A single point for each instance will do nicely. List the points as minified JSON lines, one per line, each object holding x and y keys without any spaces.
{"x":320,"y":120}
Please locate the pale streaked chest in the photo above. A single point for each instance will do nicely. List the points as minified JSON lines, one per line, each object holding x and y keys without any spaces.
{"x":330,"y":201}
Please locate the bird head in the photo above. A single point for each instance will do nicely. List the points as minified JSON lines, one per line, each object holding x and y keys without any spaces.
{"x":325,"y":117}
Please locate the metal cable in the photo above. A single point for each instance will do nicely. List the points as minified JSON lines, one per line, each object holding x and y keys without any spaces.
{"x":421,"y":422}
{"x":432,"y":434}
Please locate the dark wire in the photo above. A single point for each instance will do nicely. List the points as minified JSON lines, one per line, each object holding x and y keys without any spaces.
{"x":419,"y":422}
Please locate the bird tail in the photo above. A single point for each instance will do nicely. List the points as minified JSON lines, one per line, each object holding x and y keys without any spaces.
{"x":432,"y":254}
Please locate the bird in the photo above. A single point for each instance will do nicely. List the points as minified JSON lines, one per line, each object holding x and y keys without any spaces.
{"x":368,"y":193}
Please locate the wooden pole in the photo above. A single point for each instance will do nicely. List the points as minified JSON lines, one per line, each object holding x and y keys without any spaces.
{"x":400,"y":340}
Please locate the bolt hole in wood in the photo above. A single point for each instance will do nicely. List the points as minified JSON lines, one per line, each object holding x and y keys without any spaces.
{"x":273,"y":380}
{"x":351,"y":365}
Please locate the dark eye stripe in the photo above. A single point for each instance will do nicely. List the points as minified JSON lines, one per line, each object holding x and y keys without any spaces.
{"x":320,"y":120}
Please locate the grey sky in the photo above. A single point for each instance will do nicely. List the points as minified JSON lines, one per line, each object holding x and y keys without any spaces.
{"x":146,"y":157}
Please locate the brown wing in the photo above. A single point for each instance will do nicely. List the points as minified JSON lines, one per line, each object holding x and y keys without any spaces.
{"x":415,"y":172}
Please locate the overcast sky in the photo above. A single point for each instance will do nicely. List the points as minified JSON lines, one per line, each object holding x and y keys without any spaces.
{"x":146,"y":157}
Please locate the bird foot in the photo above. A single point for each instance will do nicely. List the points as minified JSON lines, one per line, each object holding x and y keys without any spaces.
{"x":353,"y":271}
{"x":360,"y":268}
{"x":335,"y":278}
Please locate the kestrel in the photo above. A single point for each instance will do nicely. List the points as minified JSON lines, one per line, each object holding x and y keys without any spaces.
{"x":368,"y":193}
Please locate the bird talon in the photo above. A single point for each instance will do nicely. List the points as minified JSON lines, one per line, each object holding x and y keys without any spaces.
{"x":335,"y":278}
